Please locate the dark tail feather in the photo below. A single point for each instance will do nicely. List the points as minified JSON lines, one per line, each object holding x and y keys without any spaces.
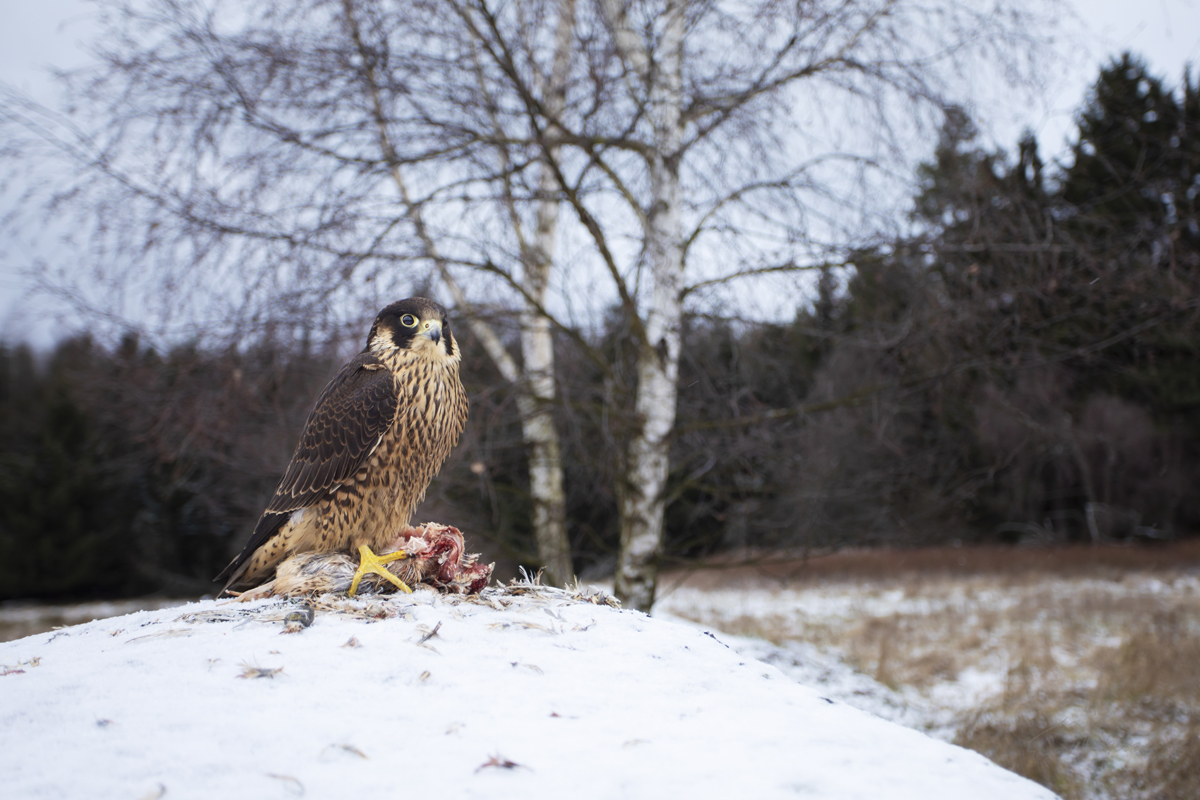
{"x":268,"y":525}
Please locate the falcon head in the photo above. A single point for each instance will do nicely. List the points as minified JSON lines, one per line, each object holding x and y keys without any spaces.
{"x":414,"y":324}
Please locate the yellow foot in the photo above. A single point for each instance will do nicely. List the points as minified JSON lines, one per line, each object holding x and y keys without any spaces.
{"x":369,"y":563}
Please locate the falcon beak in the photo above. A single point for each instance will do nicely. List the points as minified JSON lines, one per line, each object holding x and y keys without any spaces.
{"x":433,"y":330}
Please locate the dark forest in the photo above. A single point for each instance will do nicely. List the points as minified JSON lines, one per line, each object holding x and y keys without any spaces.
{"x":1024,"y":371}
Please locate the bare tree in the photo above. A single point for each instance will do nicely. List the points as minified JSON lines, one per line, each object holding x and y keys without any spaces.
{"x":232,"y":171}
{"x":694,"y":145}
{"x":695,"y":131}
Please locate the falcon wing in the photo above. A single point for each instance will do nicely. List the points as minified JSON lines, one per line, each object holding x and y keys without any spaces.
{"x":350,"y":418}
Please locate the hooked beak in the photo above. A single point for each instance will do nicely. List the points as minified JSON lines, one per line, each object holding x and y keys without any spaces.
{"x":433,"y":330}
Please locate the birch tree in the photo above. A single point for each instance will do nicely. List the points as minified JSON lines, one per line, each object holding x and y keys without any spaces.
{"x":703,"y":132}
{"x":644,"y":490}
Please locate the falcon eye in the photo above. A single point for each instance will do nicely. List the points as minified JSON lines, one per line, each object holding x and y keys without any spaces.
{"x":408,"y":321}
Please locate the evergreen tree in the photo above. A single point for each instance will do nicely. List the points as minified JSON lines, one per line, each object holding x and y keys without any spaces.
{"x":65,"y":510}
{"x":1136,"y":171}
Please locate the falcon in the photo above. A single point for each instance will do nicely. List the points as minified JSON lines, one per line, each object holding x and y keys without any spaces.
{"x":375,"y":439}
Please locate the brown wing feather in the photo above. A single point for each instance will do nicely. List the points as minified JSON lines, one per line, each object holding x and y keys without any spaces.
{"x":351,"y":414}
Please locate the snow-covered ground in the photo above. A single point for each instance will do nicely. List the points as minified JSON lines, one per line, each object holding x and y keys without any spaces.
{"x":534,"y":695}
{"x":932,"y":712}
{"x":20,"y":619}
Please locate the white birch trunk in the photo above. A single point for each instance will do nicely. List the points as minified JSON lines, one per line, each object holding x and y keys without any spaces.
{"x":648,"y":459}
{"x":536,"y":402}
{"x":538,"y":393}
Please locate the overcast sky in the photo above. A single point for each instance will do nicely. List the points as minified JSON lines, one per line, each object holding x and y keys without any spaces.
{"x":39,"y":35}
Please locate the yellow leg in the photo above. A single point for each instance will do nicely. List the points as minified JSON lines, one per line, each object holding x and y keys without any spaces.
{"x":369,"y":563}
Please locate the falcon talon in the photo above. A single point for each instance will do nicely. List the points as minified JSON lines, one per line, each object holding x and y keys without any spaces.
{"x":371,"y":564}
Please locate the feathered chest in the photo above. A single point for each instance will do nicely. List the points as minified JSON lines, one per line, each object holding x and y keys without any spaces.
{"x":431,"y":412}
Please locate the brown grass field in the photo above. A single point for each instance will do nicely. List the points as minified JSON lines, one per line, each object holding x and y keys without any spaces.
{"x":1078,"y":667}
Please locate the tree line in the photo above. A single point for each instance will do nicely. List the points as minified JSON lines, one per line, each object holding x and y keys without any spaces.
{"x":229,"y":170}
{"x":1021,"y":369}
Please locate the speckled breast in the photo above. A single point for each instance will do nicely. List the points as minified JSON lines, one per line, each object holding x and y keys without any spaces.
{"x":431,"y":417}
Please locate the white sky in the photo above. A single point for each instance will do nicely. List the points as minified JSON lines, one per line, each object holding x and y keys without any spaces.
{"x":54,"y":33}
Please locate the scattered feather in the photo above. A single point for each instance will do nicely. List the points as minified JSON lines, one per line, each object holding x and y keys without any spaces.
{"x":522,"y":625}
{"x":429,"y":634}
{"x":501,"y":763}
{"x":533,"y":667}
{"x":15,"y":669}
{"x":298,"y":620}
{"x":348,"y":748}
{"x":517,"y":595}
{"x":170,"y":633}
{"x":291,"y":784}
{"x":154,"y":793}
{"x":252,"y":671}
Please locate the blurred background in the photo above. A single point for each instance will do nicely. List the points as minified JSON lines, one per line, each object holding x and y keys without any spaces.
{"x":985,"y":335}
{"x":932,"y":332}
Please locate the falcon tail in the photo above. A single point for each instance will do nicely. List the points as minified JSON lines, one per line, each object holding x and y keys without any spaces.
{"x":268,"y":526}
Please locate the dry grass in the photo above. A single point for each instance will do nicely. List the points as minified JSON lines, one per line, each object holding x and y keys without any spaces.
{"x":1026,"y":744}
{"x":1063,"y":666}
{"x":993,"y":560}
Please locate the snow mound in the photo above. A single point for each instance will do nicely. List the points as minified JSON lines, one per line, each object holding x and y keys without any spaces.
{"x":518,"y":692}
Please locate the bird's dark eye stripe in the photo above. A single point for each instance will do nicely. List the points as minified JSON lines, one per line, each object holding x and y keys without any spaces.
{"x":409,"y":321}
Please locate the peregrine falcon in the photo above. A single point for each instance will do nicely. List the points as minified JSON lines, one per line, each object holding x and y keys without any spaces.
{"x":378,"y":434}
